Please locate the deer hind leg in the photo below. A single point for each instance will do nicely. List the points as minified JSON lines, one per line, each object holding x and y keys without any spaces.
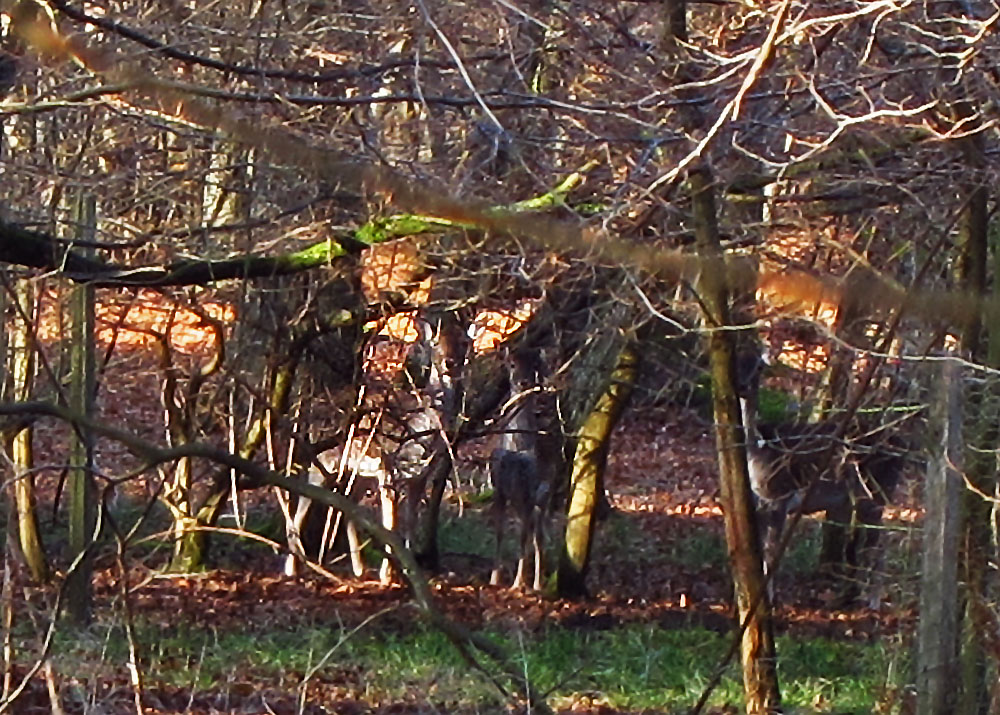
{"x":522,"y":557}
{"x":294,"y":527}
{"x":538,"y":541}
{"x":770,"y":525}
{"x":844,"y":563}
{"x":837,"y":535}
{"x":354,"y":547}
{"x":387,"y":502}
{"x":869,"y":556}
{"x":861,"y":546}
{"x":293,"y":531}
{"x":837,"y":553}
{"x":498,"y":513}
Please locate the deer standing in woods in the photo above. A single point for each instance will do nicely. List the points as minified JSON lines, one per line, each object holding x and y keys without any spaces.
{"x":517,"y":482}
{"x":354,"y":474}
{"x":392,"y":446}
{"x":814,"y":467}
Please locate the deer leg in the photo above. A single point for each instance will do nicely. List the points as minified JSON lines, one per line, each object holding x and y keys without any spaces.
{"x":412,"y":496}
{"x":293,"y":527}
{"x":863,"y":540}
{"x":498,"y":517}
{"x":354,"y":547}
{"x":845,"y":568}
{"x":771,"y":522}
{"x":388,"y":504}
{"x":538,"y":539}
{"x":867,"y":554}
{"x":522,"y":557}
{"x":293,"y":531}
{"x":836,"y":542}
{"x":836,"y":553}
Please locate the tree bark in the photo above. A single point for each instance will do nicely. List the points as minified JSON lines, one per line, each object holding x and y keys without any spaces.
{"x":192,"y":525}
{"x":937,"y":664}
{"x":587,"y":481}
{"x":82,"y":507}
{"x":425,"y":537}
{"x":22,"y":371}
{"x":981,"y":463}
{"x":674,"y":25}
{"x":757,"y":652}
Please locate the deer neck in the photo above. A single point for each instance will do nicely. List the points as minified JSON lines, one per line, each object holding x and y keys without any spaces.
{"x":749,"y":410}
{"x":520,"y":433}
{"x":760,"y":466}
{"x":522,"y":428}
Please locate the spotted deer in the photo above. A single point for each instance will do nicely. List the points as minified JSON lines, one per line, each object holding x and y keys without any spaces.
{"x":518,"y":486}
{"x":808,"y":468}
{"x":357,"y":469}
{"x":400,"y":429}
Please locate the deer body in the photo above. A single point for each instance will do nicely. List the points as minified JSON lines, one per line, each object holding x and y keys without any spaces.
{"x":813,"y":468}
{"x":363,"y":472}
{"x":517,"y":484}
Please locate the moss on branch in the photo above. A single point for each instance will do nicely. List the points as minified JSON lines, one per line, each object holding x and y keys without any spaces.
{"x":37,"y":249}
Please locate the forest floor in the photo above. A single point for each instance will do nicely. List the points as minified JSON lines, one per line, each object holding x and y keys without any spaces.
{"x":659,"y":562}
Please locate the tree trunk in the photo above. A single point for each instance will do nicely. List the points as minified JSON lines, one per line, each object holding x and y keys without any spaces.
{"x":760,"y":679}
{"x":937,"y":664}
{"x":587,"y":481}
{"x":443,"y":346}
{"x":851,"y":330}
{"x":674,"y":25}
{"x":425,"y":537}
{"x":22,"y":376}
{"x":192,"y":525}
{"x":82,"y":516}
{"x":189,"y":541}
{"x":981,"y":463}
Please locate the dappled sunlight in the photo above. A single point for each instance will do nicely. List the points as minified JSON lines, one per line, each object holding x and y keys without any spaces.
{"x":132,"y":321}
{"x":491,"y":328}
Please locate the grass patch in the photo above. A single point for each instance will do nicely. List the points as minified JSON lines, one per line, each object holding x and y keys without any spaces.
{"x":802,"y":555}
{"x":632,"y":668}
{"x":775,"y":405}
{"x":700,"y":549}
{"x":472,"y":532}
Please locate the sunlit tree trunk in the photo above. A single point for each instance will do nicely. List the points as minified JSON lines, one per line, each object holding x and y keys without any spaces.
{"x":227,"y":190}
{"x":193,"y":521}
{"x":188,"y":554}
{"x":22,"y":361}
{"x":587,"y":480}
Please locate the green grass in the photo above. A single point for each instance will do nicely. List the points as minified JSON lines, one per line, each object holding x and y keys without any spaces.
{"x":802,"y":555}
{"x":774,"y":405}
{"x":699,"y":549}
{"x":632,"y":667}
{"x":472,"y":533}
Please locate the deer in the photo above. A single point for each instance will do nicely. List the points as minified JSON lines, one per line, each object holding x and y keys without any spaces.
{"x":517,"y":482}
{"x":357,"y":471}
{"x":390,"y":447}
{"x":808,"y":468}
